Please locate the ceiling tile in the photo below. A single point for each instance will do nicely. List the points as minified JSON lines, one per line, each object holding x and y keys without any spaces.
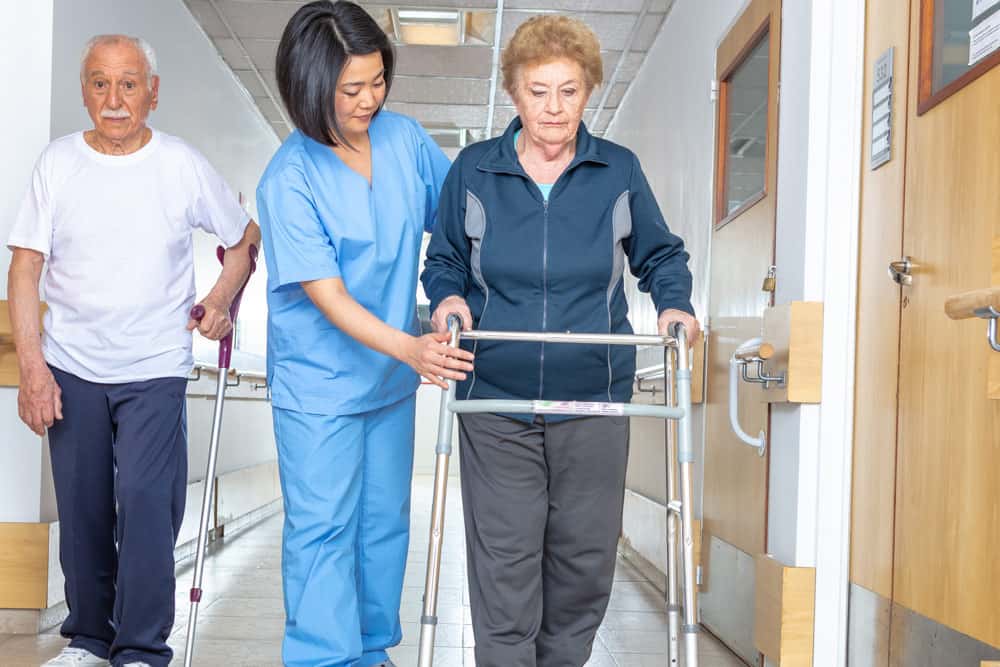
{"x":613,"y":30}
{"x":257,"y":19}
{"x":206,"y":16}
{"x":629,"y":68}
{"x":444,"y":90}
{"x":270,"y":78}
{"x":436,"y":4}
{"x":281,"y":130}
{"x":262,"y":51}
{"x":618,"y":6}
{"x":463,"y":61}
{"x":231,"y":53}
{"x":250,"y":81}
{"x":442,"y":115}
{"x":268,"y":108}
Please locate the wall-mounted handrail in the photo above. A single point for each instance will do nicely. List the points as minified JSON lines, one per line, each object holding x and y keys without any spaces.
{"x":257,"y":378}
{"x":984,"y":304}
{"x":754,"y":350}
{"x":970,"y":304}
{"x":760,"y":442}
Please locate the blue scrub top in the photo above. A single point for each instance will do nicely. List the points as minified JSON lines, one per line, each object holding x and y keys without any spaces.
{"x":320,"y":219}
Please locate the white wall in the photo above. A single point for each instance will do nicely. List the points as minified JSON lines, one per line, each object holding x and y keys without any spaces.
{"x":201,"y":101}
{"x":25,"y":40}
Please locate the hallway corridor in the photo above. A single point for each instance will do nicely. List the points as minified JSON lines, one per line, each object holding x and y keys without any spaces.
{"x":241,"y":614}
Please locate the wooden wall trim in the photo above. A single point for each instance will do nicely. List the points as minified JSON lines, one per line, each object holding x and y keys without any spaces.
{"x":24,"y":565}
{"x":784,"y":612}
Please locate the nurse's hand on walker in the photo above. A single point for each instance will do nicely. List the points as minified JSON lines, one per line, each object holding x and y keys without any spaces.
{"x":672,"y":315}
{"x":432,"y":357}
{"x":452,"y":305}
{"x":429,"y":355}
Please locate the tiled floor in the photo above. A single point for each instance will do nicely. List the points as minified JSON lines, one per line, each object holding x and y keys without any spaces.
{"x":241,"y":615}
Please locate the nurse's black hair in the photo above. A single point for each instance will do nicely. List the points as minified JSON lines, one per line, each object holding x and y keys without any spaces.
{"x":315,"y":46}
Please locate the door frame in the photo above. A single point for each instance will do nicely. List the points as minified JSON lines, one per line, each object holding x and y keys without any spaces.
{"x":836,"y":98}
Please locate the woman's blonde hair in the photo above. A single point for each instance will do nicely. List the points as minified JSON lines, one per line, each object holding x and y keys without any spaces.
{"x":549,"y":37}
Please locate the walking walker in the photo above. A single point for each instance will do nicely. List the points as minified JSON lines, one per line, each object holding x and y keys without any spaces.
{"x":225,"y":356}
{"x":676,"y":410}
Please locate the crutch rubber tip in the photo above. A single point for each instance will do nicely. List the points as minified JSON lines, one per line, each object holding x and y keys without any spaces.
{"x":195,"y":595}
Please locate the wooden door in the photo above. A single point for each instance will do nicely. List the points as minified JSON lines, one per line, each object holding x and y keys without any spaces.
{"x":947,"y":532}
{"x":735,"y":491}
{"x":926,"y":489}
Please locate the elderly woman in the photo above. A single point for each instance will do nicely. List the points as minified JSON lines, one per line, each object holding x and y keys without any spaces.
{"x":533,"y":233}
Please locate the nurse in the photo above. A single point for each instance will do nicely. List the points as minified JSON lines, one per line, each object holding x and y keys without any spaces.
{"x":343,"y":207}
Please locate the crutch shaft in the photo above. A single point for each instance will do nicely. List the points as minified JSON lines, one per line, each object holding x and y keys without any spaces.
{"x":206,"y":515}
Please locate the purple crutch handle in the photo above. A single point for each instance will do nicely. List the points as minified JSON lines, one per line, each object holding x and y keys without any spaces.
{"x":198,"y":312}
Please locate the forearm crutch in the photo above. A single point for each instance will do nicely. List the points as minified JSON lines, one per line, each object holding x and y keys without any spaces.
{"x":225,"y":357}
{"x":677,"y":409}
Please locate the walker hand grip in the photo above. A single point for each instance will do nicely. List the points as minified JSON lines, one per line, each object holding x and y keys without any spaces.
{"x":198,"y":312}
{"x":454,"y":319}
{"x":973,"y":304}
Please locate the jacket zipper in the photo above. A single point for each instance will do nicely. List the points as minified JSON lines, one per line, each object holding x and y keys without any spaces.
{"x":545,"y":291}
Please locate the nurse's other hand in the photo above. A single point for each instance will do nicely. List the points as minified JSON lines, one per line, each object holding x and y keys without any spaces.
{"x":453,"y":305}
{"x":434,"y":359}
{"x":215,"y":325}
{"x":672,"y":315}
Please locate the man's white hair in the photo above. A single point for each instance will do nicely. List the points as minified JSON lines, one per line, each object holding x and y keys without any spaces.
{"x":139,"y":43}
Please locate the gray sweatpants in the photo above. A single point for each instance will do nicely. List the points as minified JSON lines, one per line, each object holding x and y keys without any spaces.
{"x":543,"y":512}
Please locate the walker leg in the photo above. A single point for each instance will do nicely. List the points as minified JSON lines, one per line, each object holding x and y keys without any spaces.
{"x":685,"y":457}
{"x":428,"y":619}
{"x":673,"y":602}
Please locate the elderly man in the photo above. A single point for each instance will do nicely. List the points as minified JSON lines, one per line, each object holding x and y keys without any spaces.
{"x":111,"y":211}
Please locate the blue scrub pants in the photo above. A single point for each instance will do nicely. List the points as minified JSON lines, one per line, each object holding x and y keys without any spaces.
{"x":346,"y":483}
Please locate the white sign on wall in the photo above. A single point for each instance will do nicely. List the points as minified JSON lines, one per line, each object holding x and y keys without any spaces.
{"x":881,"y":147}
{"x":984,"y":39}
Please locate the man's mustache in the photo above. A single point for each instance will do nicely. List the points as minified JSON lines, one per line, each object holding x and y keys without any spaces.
{"x":115,"y":113}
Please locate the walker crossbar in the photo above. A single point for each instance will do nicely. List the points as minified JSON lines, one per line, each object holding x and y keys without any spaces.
{"x":676,"y":412}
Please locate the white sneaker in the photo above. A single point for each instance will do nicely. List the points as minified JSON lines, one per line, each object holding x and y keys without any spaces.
{"x":136,"y":664}
{"x":77,"y":657}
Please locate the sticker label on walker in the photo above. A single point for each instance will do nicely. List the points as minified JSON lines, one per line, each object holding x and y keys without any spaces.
{"x":578,"y":408}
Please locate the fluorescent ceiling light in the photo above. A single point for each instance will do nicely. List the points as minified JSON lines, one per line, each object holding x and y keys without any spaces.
{"x":441,"y":27}
{"x":427,"y":16}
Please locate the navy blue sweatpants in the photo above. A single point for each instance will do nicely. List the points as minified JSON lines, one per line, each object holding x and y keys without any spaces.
{"x":119,"y":460}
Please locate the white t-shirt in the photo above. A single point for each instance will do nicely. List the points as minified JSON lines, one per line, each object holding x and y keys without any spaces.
{"x":116,"y":231}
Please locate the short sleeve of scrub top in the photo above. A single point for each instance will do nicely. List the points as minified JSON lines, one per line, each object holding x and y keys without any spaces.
{"x":300,"y":248}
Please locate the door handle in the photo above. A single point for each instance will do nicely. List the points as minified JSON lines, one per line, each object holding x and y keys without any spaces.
{"x":899,"y":271}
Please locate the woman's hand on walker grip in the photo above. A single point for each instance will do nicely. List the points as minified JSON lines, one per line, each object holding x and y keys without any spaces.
{"x":453,"y":305}
{"x":433,"y":358}
{"x":673,"y":315}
